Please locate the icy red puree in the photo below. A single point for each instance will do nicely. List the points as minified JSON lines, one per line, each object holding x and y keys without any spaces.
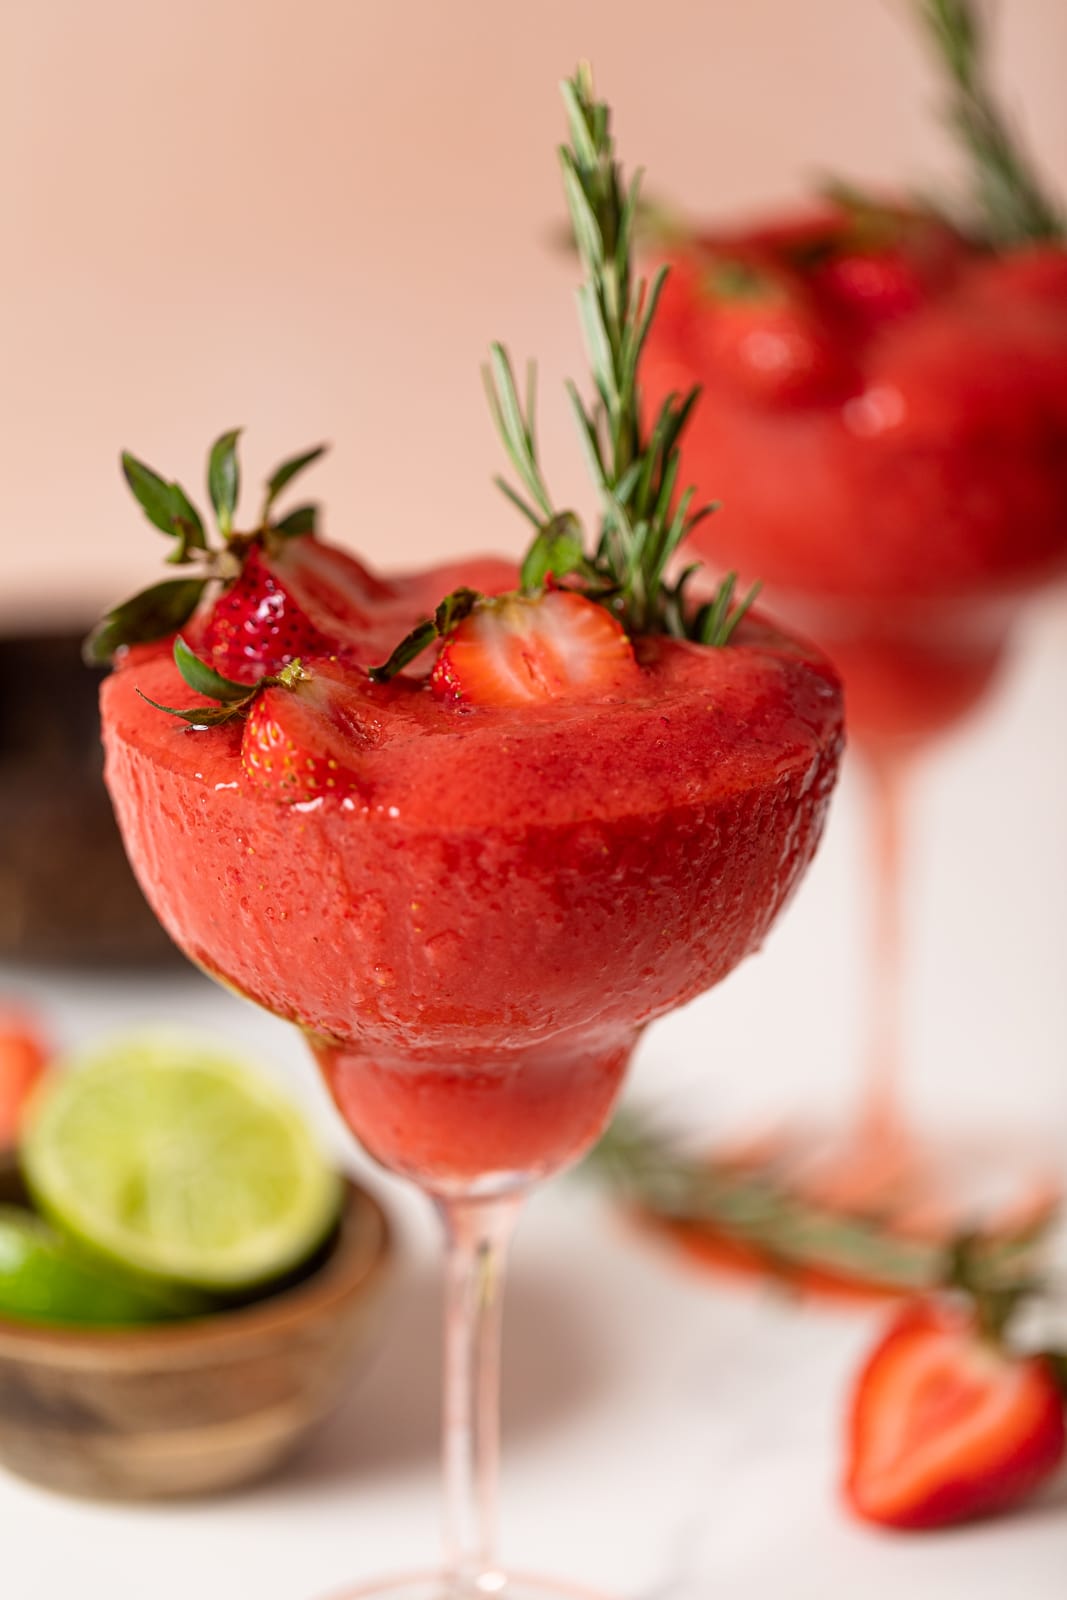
{"x":475,"y":938}
{"x":887,"y":432}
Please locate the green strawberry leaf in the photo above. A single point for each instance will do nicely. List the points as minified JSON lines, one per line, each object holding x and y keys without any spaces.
{"x":186,"y":523}
{"x":287,"y":472}
{"x":558,"y":550}
{"x":152,"y":493}
{"x":301,"y":520}
{"x":152,"y":614}
{"x":413,"y":644}
{"x":224,"y":479}
{"x":453,"y":608}
{"x":167,"y":507}
{"x":235,"y":699}
{"x":204,"y":679}
{"x":449,"y":614}
{"x":203,"y":716}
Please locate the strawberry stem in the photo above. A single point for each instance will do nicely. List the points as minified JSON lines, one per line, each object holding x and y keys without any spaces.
{"x":233,"y":699}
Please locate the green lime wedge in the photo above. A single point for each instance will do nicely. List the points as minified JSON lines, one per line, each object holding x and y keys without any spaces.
{"x":165,"y":1156}
{"x":43,"y":1278}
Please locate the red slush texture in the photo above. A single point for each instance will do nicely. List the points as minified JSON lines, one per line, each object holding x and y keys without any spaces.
{"x":940,"y":474}
{"x":474,"y":945}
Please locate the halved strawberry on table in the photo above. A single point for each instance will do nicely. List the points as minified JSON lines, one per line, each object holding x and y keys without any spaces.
{"x":948,"y":1422}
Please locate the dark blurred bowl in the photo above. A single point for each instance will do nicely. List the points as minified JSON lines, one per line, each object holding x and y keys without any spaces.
{"x":191,"y":1408}
{"x":67,"y":894}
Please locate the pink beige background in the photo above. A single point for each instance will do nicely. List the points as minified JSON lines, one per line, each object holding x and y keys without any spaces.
{"x":311,"y":219}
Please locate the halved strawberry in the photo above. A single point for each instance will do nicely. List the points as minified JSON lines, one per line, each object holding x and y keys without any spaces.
{"x":515,"y":651}
{"x":300,"y":742}
{"x":256,"y":626}
{"x":23,"y":1057}
{"x":298,"y":599}
{"x":945,"y":1426}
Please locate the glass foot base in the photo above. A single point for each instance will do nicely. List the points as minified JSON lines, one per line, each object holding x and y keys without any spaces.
{"x":493,"y":1586}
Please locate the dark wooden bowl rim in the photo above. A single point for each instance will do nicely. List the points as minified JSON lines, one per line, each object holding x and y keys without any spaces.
{"x":354,"y":1267}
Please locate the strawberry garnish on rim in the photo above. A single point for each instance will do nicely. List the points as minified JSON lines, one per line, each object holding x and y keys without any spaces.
{"x":565,"y":633}
{"x":262,"y":582}
{"x":518,"y":650}
{"x":302,"y":725}
{"x":948,"y":1420}
{"x":299,"y":739}
{"x":256,"y":625}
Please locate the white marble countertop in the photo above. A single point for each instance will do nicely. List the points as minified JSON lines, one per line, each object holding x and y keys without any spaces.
{"x":667,"y":1436}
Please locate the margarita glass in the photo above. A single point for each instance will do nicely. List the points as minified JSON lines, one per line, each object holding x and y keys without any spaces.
{"x":473,"y":877}
{"x":474,"y":938}
{"x":909,"y":383}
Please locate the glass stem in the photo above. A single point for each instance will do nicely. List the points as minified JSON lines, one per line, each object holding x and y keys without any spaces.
{"x":882,"y":1122}
{"x":477,"y":1232}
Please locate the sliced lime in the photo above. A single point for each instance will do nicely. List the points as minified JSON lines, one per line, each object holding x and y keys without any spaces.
{"x":43,"y":1278}
{"x":163,"y":1154}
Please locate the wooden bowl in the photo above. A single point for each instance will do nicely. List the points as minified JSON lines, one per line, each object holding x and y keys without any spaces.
{"x":67,"y":894}
{"x":188,"y":1408}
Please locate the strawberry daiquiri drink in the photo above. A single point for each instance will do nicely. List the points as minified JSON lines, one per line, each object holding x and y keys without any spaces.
{"x":471,"y":830}
{"x":907,"y":378}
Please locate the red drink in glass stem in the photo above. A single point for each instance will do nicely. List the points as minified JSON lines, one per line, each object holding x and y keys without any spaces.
{"x":912,"y":395}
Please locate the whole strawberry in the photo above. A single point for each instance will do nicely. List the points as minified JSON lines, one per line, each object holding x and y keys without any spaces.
{"x":253,"y":602}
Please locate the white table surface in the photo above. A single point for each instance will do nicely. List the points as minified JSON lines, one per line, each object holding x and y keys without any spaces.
{"x":667,"y":1436}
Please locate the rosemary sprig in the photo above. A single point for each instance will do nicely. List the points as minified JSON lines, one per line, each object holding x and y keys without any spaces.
{"x":644,"y":520}
{"x":635,"y":467}
{"x":1007,"y":193}
{"x":756,"y":1207}
{"x":162,"y":609}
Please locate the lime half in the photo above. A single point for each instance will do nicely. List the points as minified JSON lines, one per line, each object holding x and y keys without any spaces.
{"x":43,"y":1278}
{"x":161,"y":1153}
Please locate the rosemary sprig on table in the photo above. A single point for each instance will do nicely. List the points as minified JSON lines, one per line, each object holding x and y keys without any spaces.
{"x":756,"y":1206}
{"x":644,"y":520}
{"x":162,"y":609}
{"x":1011,"y":205}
